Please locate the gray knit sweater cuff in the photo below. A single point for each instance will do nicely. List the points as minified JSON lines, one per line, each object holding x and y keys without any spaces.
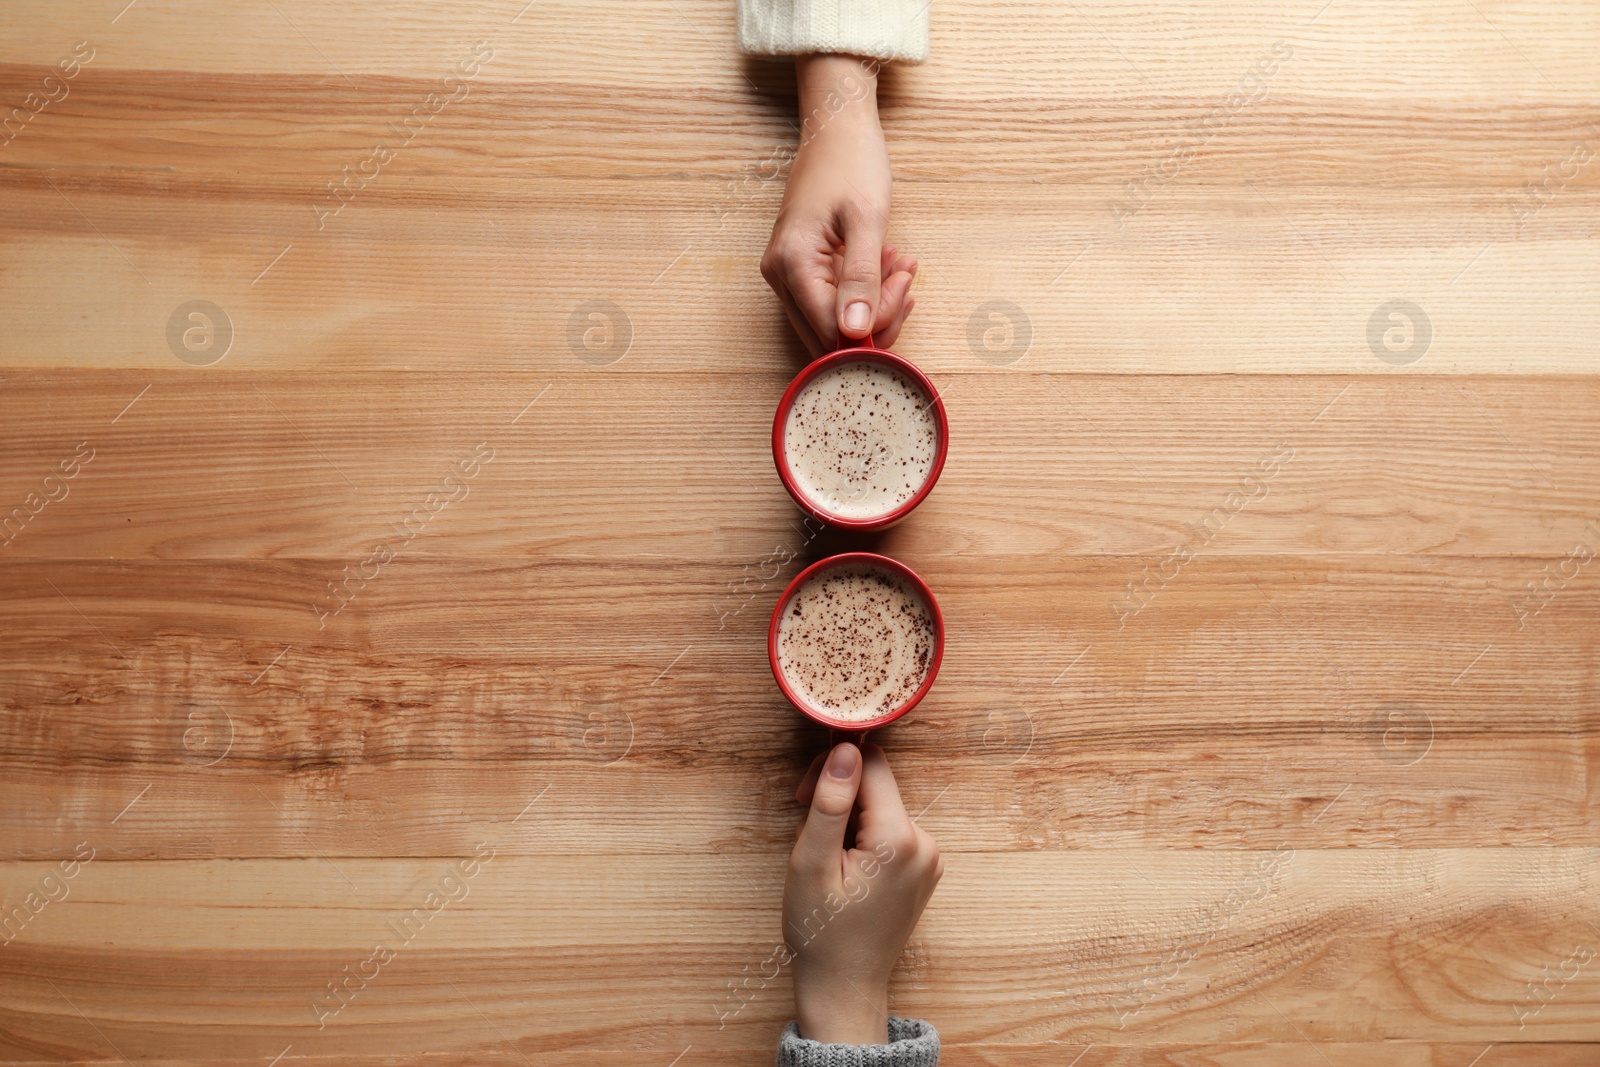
{"x":912,"y":1043}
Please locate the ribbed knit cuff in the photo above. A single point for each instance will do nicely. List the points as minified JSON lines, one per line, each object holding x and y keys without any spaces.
{"x":912,"y":1043}
{"x":883,"y":29}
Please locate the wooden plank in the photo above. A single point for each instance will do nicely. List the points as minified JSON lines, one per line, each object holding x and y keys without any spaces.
{"x":426,"y":272}
{"x":235,"y":167}
{"x":1101,"y":135}
{"x":275,"y":466}
{"x":1316,"y":946}
{"x":1333,"y":793}
{"x":1242,"y":1054}
{"x":1021,"y":623}
{"x":1179,"y":727}
{"x":1028,"y":48}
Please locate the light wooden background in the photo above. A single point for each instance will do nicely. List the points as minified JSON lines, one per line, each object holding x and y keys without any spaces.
{"x":567,"y":665}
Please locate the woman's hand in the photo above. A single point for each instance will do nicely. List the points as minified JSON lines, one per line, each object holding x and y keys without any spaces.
{"x":847,"y":912}
{"x":827,"y":260}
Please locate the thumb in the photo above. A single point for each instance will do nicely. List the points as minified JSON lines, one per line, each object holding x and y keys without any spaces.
{"x":858,"y":285}
{"x":822,"y":838}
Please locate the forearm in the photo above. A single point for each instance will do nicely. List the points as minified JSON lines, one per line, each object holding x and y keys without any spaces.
{"x":841,"y":1013}
{"x":835,"y":90}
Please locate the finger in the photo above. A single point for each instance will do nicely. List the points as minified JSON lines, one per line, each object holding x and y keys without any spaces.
{"x":893,"y":262}
{"x":821,"y":840}
{"x":808,"y":277}
{"x":814,"y":301}
{"x":883,"y":814}
{"x":802,"y":327}
{"x":849,"y":830}
{"x":886,"y":261}
{"x":860,"y":275}
{"x":892,"y":299}
{"x":891,"y":333}
{"x":782,"y":265}
{"x":808,"y":781}
{"x":891,"y":308}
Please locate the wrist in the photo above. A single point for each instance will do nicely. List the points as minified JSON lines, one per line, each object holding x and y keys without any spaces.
{"x":844,"y":1015}
{"x":836,"y":89}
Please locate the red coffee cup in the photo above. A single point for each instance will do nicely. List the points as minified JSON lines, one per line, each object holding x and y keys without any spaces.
{"x":899,"y":570}
{"x":859,"y":353}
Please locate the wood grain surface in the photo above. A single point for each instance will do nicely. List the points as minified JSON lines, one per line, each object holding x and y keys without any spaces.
{"x":1319,"y":790}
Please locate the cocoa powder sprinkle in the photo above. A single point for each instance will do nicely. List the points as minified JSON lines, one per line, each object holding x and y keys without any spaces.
{"x":856,"y":642}
{"x":849,"y":430}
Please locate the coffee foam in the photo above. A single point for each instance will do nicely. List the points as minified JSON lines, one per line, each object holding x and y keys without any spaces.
{"x":860,"y":440}
{"x":856,"y":642}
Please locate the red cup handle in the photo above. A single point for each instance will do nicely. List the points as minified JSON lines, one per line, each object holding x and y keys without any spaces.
{"x":837,"y":736}
{"x":851,"y":342}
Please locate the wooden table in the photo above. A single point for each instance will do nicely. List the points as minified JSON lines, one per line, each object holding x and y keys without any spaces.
{"x":410,"y":588}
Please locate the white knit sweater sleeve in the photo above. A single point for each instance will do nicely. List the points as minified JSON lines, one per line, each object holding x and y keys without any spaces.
{"x":884,"y":29}
{"x":912,"y":1043}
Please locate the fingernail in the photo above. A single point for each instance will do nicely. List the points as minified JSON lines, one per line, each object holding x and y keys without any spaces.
{"x":842,"y":764}
{"x":857,"y":316}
